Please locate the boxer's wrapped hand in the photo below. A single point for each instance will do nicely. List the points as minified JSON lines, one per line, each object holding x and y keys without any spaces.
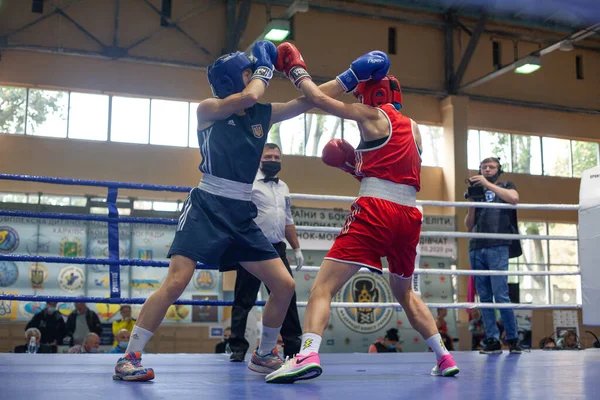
{"x":265,"y":54}
{"x":373,"y":65}
{"x":338,"y":153}
{"x":291,"y":64}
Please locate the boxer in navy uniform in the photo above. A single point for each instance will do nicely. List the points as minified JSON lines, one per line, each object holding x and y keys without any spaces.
{"x":216,"y":223}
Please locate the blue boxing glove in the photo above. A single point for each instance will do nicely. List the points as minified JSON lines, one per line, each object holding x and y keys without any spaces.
{"x":373,"y":65}
{"x":265,"y":54}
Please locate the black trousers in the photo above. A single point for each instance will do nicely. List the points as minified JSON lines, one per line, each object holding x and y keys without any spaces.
{"x":246,"y":291}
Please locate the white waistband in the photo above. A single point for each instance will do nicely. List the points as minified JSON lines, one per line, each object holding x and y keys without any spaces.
{"x":226,"y":188}
{"x":386,"y":190}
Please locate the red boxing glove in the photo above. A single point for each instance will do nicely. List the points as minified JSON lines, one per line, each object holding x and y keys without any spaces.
{"x":339,"y":154}
{"x":290,"y":62}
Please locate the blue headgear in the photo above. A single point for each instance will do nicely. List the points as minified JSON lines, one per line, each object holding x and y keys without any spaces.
{"x":225,"y":75}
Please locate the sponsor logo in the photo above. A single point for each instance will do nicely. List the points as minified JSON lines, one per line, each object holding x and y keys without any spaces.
{"x":38,"y":275}
{"x":205,"y":280}
{"x":365,"y":288}
{"x":9,"y":273}
{"x":71,"y":278}
{"x":71,"y":247}
{"x":9,"y":239}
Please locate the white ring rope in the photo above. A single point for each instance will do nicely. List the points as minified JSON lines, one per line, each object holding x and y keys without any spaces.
{"x":459,"y":204}
{"x":469,"y":272}
{"x":452,"y":305}
{"x":507,"y":236}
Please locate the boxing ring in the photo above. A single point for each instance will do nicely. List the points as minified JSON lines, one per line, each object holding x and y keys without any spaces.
{"x":531,"y":375}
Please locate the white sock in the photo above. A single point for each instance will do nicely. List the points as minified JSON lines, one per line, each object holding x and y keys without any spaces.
{"x":139,"y":338}
{"x":268,"y":340}
{"x":310,"y":343}
{"x":437,"y":345}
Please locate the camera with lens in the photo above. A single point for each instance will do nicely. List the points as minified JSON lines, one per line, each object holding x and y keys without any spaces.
{"x":475,"y":192}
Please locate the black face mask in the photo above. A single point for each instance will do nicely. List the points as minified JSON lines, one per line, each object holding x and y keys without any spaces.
{"x":271,"y":168}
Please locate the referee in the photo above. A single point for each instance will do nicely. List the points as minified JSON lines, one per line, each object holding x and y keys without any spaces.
{"x":272,"y":199}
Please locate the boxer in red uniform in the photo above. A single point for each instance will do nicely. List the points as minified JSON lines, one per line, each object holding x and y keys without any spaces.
{"x":384,"y":220}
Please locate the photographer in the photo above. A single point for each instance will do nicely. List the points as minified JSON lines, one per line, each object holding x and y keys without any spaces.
{"x":493,"y":254}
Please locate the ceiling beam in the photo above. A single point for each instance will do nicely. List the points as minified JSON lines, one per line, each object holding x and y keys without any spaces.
{"x":466,"y":58}
{"x":580,"y":35}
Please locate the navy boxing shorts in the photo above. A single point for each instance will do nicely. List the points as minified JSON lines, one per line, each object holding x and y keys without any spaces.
{"x":217,"y":230}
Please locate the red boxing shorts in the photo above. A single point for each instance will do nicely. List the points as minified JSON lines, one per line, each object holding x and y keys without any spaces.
{"x":379,"y":228}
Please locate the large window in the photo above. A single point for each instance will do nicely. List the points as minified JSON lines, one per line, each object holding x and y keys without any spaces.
{"x":432,"y":140}
{"x":130,"y":120}
{"x":193,"y":126}
{"x":47,"y":113}
{"x":533,"y":155}
{"x":321,"y":129}
{"x":307,"y":134}
{"x":13,"y":105}
{"x":125,"y":119}
{"x":548,"y":255}
{"x":169,"y":123}
{"x":88,"y":116}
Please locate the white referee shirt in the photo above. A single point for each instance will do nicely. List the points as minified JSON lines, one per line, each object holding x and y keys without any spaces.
{"x":274,"y":207}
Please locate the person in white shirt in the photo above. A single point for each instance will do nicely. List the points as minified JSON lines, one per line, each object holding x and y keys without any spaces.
{"x":272,"y":199}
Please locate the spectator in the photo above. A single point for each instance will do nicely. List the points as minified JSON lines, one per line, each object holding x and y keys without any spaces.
{"x":126,"y":322}
{"x":122,"y":338}
{"x":50,"y":324}
{"x":80,"y":323}
{"x":39,"y":346}
{"x":221,"y":347}
{"x":90,"y":345}
{"x":568,"y":341}
{"x":476,"y":329}
{"x":389,"y":344}
{"x":547,"y":343}
{"x":440,"y":320}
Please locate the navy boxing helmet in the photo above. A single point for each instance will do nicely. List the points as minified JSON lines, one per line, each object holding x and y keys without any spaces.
{"x":225,"y":75}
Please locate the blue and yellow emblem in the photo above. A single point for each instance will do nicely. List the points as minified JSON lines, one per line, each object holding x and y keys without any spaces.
{"x":9,"y":239}
{"x":257,"y":130}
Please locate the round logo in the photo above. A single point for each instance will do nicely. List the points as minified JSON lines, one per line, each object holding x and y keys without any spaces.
{"x":30,"y":309}
{"x":9,"y":239}
{"x":71,"y":278}
{"x":205,"y":280}
{"x":37,"y":243}
{"x":9,"y":273}
{"x":365,"y":288}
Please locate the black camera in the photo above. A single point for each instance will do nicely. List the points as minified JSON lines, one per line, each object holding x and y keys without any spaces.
{"x":477,"y":193}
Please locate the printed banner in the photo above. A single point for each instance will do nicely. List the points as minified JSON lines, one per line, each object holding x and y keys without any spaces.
{"x":430,"y":246}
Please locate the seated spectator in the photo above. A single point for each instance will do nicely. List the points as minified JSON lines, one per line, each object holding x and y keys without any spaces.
{"x":448,"y":341}
{"x":389,"y":343}
{"x":221,"y":347}
{"x":547,"y":343}
{"x":126,"y":322}
{"x":90,"y":345}
{"x":39,"y":347}
{"x":568,"y":341}
{"x":440,"y":320}
{"x":443,"y":328}
{"x":477,"y":330}
{"x":122,"y":338}
{"x":50,"y":324}
{"x":80,"y":323}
